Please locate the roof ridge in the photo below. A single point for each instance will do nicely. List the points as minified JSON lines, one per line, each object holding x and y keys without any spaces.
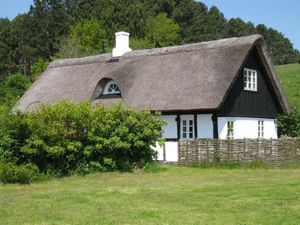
{"x":158,"y":51}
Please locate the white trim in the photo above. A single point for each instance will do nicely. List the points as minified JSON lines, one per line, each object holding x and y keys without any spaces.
{"x":107,"y":92}
{"x":230,"y":129}
{"x":250,"y":79}
{"x":187,"y":127}
{"x":260,"y":129}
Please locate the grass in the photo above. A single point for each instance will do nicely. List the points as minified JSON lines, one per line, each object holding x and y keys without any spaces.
{"x":177,"y":195}
{"x":289,"y":76}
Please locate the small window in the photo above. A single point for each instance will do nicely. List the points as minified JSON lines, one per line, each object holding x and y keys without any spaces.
{"x":187,"y":128}
{"x":230,"y":129}
{"x":111,"y":88}
{"x":260,"y":129}
{"x":250,"y":80}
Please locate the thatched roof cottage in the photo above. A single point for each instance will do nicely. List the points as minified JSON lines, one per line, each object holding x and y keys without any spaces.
{"x":218,"y":89}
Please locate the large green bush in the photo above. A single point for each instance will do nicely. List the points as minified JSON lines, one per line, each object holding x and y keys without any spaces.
{"x":23,"y":174}
{"x":289,"y":124}
{"x":68,"y":138}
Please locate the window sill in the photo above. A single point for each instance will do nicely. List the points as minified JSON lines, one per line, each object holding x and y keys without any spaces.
{"x":250,"y":90}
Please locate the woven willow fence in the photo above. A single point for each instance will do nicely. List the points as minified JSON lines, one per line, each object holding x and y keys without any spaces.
{"x":275,"y":152}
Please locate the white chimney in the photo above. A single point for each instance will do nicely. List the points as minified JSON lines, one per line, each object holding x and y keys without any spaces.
{"x":122,"y":44}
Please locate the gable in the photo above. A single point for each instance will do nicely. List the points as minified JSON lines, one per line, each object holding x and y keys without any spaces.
{"x":260,"y":103}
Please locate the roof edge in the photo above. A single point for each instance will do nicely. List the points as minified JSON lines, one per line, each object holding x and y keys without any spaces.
{"x":221,"y":43}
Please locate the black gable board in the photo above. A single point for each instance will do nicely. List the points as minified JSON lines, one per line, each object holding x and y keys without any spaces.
{"x":261,"y":103}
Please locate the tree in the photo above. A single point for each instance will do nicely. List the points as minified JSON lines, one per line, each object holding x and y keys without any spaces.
{"x":190,"y":15}
{"x":237,"y":28}
{"x":136,"y":44}
{"x":14,"y":87}
{"x":86,"y":38}
{"x":6,"y":45}
{"x":162,"y":31}
{"x":215,"y":24}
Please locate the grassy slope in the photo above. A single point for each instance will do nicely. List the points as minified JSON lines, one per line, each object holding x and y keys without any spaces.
{"x":176,"y":196}
{"x":289,"y":76}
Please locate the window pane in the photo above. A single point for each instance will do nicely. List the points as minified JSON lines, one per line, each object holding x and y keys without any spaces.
{"x":191,"y":129}
{"x":184,"y":135}
{"x":184,"y":129}
{"x":184,"y":122}
{"x":191,"y":122}
{"x":191,"y":135}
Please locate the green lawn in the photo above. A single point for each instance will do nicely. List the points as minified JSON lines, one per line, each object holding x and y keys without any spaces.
{"x":290,"y":80}
{"x":176,"y":196}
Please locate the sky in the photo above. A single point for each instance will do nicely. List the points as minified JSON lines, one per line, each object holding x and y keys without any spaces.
{"x":283,"y":16}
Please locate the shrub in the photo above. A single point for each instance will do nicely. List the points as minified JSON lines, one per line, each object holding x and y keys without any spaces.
{"x":289,"y":124}
{"x":24,"y":174}
{"x":68,"y":138}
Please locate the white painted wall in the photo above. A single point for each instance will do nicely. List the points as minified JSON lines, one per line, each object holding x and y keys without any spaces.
{"x":171,"y":151}
{"x":205,"y":126}
{"x":246,"y":127}
{"x":170,"y":130}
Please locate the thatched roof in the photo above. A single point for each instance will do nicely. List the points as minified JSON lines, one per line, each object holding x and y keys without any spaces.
{"x":188,"y":77}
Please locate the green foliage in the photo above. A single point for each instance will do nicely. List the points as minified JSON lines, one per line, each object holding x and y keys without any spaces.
{"x":38,"y":68}
{"x":24,"y":174}
{"x":68,"y":138}
{"x":237,"y":28}
{"x":86,"y":38}
{"x":14,"y":87}
{"x":162,"y":31}
{"x":91,"y":36}
{"x":75,"y":28}
{"x":136,"y":44}
{"x":289,"y":124}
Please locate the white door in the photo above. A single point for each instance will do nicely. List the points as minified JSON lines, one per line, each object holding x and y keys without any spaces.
{"x":187,"y":127}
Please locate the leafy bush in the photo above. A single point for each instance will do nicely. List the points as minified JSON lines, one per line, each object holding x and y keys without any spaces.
{"x":68,"y":138}
{"x":38,"y":68}
{"x":24,"y":174}
{"x":13,"y":88}
{"x":289,"y":124}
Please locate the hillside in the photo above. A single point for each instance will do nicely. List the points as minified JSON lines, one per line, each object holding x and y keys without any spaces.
{"x":289,"y":76}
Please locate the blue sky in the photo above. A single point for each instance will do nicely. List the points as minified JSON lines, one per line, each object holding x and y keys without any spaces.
{"x":284,"y":16}
{"x":281,"y":15}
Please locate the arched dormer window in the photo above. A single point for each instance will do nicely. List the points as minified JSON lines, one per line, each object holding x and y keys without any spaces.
{"x":111,"y":88}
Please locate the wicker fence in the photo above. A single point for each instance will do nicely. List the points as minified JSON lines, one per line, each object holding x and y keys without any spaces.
{"x":276,"y":152}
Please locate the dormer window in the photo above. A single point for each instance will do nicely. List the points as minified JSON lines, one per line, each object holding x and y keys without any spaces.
{"x":250,"y":80}
{"x":111,"y":88}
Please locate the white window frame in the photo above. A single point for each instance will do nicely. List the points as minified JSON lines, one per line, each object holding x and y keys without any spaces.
{"x":250,"y":79}
{"x":187,"y":127}
{"x":106,"y":89}
{"x":230,"y":129}
{"x":260,"y":129}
